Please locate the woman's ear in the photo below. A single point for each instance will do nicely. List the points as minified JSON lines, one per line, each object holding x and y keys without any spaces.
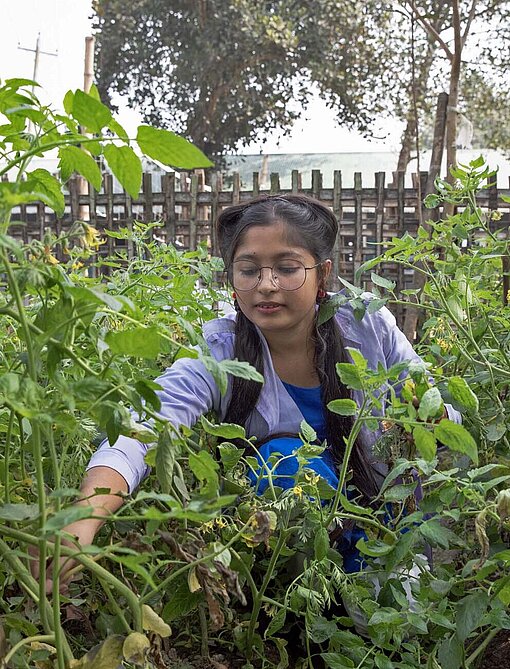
{"x":326,"y":271}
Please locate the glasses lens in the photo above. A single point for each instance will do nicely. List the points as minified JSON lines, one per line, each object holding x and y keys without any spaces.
{"x":289,"y":274}
{"x":245,"y":274}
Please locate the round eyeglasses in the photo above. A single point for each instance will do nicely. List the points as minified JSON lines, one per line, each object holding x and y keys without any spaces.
{"x":286,"y":274}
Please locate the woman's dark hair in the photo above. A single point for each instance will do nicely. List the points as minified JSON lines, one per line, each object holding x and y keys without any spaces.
{"x":316,"y":229}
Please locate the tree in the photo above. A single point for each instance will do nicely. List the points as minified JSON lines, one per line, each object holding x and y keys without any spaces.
{"x":222,"y":72}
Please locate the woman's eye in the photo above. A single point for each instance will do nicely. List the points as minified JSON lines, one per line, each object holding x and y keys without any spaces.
{"x":248,"y":272}
{"x":286,"y":269}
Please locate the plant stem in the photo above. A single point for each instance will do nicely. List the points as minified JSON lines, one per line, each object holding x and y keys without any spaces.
{"x":257,"y":600}
{"x":7,"y":483}
{"x":490,"y":636}
{"x":42,"y":638}
{"x":36,"y":434}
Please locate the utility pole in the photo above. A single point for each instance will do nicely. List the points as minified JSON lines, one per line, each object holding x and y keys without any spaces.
{"x":88,"y":80}
{"x":37,"y":52}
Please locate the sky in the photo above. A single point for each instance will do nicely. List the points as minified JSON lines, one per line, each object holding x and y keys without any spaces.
{"x":63,"y":26}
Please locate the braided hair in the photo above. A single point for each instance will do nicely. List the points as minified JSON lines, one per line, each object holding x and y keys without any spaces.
{"x":315,"y":228}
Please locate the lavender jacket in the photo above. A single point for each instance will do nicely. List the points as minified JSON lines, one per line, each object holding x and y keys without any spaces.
{"x":189,"y":390}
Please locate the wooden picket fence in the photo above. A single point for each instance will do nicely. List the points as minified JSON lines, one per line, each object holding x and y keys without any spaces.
{"x":367,"y":215}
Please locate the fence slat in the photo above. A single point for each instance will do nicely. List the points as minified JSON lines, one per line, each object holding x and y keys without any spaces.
{"x":193,"y":213}
{"x":236,"y":188}
{"x":338,"y":211}
{"x":255,"y":184}
{"x":169,"y":206}
{"x":108,"y":189}
{"x":316,"y":183}
{"x":275,"y":183}
{"x":358,"y":223}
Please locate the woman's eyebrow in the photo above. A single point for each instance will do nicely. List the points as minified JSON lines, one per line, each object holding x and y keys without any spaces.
{"x":277,"y":256}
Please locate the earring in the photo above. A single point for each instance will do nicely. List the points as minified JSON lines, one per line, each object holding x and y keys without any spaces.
{"x":321,"y":294}
{"x":234,"y":296}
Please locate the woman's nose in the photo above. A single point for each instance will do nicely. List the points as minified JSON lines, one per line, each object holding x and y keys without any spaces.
{"x":266,"y":281}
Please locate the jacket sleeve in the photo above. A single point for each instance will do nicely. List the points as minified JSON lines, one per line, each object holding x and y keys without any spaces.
{"x":397,"y":348}
{"x":188,"y":391}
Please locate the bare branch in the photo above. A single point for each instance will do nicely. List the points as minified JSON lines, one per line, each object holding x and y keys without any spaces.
{"x":429,"y":28}
{"x":471,"y":16}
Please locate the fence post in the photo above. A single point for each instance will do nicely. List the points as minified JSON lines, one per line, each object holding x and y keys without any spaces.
{"x":316,"y":184}
{"x":255,"y":184}
{"x":169,"y":207}
{"x":216,"y":186}
{"x":193,"y":213}
{"x":296,"y":182}
{"x":358,"y":223}
{"x":236,"y":188}
{"x":380,"y":178}
{"x":108,"y":189}
{"x":275,"y":183}
{"x":147,"y":204}
{"x":338,"y":212}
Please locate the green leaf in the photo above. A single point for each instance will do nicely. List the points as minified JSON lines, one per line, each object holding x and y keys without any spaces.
{"x":19,"y":512}
{"x":357,"y":357}
{"x":373,"y":547}
{"x":343,"y":407}
{"x":470,"y":611}
{"x":457,"y":438}
{"x":126,"y":166}
{"x":225,"y":430}
{"x":276,"y":623}
{"x":505,"y":198}
{"x":116,"y":128}
{"x":451,"y":654}
{"x":348,"y":506}
{"x":349,"y":375}
{"x":462,"y":393}
{"x":383,"y":662}
{"x":437,"y":535}
{"x":381,"y":281}
{"x":337,"y":661}
{"x":139,"y":342}
{"x":321,"y":543}
{"x":89,"y":112}
{"x":204,"y":467}
{"x":66,"y":517}
{"x":425,"y":442}
{"x":398,"y":493}
{"x":376,"y":304}
{"x":477,"y":162}
{"x":166,"y":456}
{"x":241,"y":369}
{"x":170,"y":149}
{"x":321,"y":629}
{"x":329,"y":308}
{"x":230,"y":454}
{"x":68,"y":102}
{"x":41,"y":184}
{"x":73,"y":159}
{"x":181,"y":600}
{"x":431,"y":404}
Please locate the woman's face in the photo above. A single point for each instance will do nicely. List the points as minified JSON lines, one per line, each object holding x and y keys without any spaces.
{"x":271,"y":308}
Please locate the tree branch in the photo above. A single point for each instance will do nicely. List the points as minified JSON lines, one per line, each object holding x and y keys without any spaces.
{"x":429,"y":28}
{"x":471,"y":16}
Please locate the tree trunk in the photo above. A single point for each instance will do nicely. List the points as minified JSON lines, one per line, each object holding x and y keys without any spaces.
{"x":412,"y":313}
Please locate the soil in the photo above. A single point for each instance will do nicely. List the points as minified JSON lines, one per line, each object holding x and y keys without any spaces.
{"x":497,"y":655}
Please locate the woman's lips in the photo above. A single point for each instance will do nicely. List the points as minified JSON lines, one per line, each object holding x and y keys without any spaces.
{"x":268,"y":307}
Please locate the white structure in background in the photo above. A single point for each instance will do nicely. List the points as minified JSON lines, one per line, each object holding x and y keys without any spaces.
{"x":464,"y":132}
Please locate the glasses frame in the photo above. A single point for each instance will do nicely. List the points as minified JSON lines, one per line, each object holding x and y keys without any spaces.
{"x":275,"y":281}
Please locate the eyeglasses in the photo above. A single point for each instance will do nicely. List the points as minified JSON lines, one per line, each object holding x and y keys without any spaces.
{"x":246,"y":275}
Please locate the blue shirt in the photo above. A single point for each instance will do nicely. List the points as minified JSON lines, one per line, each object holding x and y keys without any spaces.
{"x":188,"y":390}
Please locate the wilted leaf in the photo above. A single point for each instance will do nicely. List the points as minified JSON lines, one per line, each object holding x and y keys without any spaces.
{"x":135,"y":648}
{"x":153,"y":623}
{"x":106,"y":655}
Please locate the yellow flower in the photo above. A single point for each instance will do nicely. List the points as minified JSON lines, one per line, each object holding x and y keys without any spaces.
{"x":76,"y":265}
{"x":220,"y":523}
{"x":298,"y":491}
{"x":91,"y":237}
{"x":496,"y":215}
{"x":209,"y":525}
{"x":50,"y":259}
{"x":312,"y":478}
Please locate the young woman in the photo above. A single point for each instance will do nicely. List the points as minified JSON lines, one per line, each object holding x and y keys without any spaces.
{"x":277,"y":251}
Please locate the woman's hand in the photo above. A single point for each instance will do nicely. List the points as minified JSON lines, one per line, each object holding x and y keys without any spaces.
{"x":85,"y":530}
